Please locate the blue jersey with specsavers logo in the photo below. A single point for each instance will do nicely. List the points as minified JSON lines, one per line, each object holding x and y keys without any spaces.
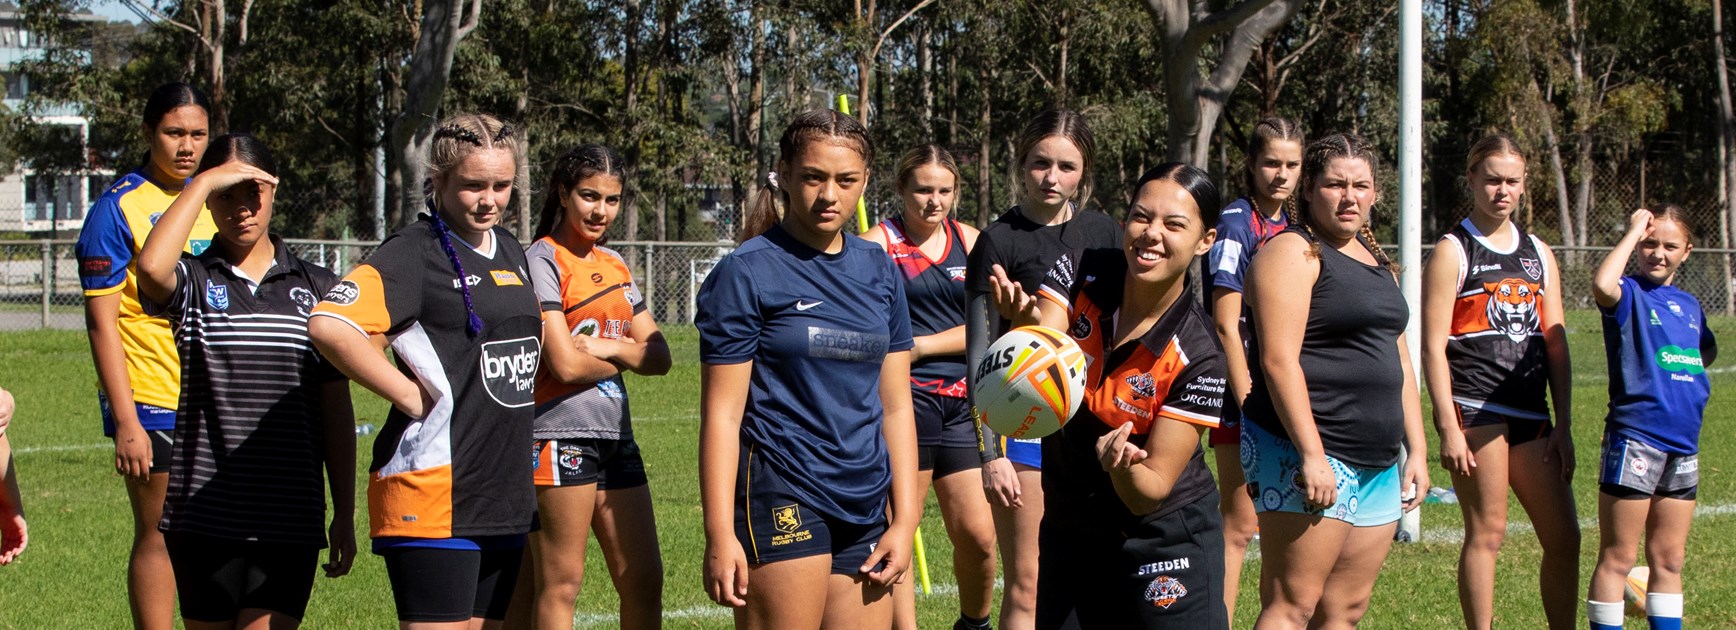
{"x":1656,"y":338}
{"x":817,"y":328}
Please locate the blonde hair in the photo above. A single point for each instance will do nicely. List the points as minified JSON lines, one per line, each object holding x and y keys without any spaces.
{"x":454,"y":140}
{"x":923,"y":156}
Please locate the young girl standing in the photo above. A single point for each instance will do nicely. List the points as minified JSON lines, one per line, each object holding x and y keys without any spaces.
{"x":1659,"y":345}
{"x":1493,"y":342}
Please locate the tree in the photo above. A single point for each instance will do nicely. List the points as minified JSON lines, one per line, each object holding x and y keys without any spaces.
{"x":444,"y":24}
{"x":207,"y":21}
{"x":1185,"y":31}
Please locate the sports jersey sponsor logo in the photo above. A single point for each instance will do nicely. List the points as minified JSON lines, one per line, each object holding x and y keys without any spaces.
{"x":1533,"y":267}
{"x":1130,"y":408}
{"x":217,"y":296}
{"x":1512,"y":307}
{"x":1143,"y":385}
{"x":611,"y":388}
{"x":504,"y":278}
{"x":509,"y":370}
{"x":847,"y":345}
{"x":1081,"y":327}
{"x":470,"y":280}
{"x":1062,"y":272}
{"x":344,"y":294}
{"x":802,"y":305}
{"x":1482,"y":268}
{"x":1164,"y":591}
{"x":95,"y":266}
{"x":1655,"y":320}
{"x":589,"y":327}
{"x":955,"y":273}
{"x":1679,"y":359}
{"x":1166,"y":566}
{"x":1675,"y":309}
{"x":303,"y":300}
{"x":198,"y":246}
{"x":596,"y":278}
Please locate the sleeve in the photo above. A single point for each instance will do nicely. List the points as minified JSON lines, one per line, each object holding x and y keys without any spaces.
{"x":898,"y":331}
{"x":1062,"y":280}
{"x":545,"y":276}
{"x":1623,"y":309}
{"x":1227,"y":262}
{"x":320,"y":370}
{"x":979,"y":264}
{"x":1708,"y":341}
{"x":728,"y":317}
{"x":188,"y":272}
{"x":104,"y":248}
{"x":382,"y":295}
{"x":1196,"y":396}
{"x":634,"y":297}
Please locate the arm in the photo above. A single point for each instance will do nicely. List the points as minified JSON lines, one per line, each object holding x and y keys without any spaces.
{"x":1227,"y":320}
{"x":1000,"y":481}
{"x":339,"y":422}
{"x":944,"y":343}
{"x":132,"y":446}
{"x":1606,"y":283}
{"x":906,"y":497}
{"x":362,"y":358}
{"x":1554,"y":322}
{"x":1282,"y":280}
{"x":565,"y":359}
{"x":648,"y":358}
{"x":156,"y":269}
{"x":1440,"y":289}
{"x":1415,"y":484}
{"x":14,"y":534}
{"x":1144,"y":477}
{"x":723,"y":395}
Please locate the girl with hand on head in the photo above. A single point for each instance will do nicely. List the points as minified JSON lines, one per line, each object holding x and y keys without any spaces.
{"x":806,"y":433}
{"x":1659,"y":345}
{"x":1132,"y":536}
{"x":588,"y":468}
{"x":1274,"y":155}
{"x":929,"y":249}
{"x":1054,"y":154}
{"x":1494,"y":340}
{"x":450,"y":498}
{"x":1334,"y":399}
{"x":261,"y":411}
{"x":136,"y":364}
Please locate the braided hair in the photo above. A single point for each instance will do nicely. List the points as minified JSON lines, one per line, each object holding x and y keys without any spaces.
{"x":455,"y":139}
{"x":586,"y":161}
{"x":1315,"y":159}
{"x":819,"y":125}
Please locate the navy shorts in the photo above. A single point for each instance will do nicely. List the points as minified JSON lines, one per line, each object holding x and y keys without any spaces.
{"x":611,"y":464}
{"x":773,"y":524}
{"x":943,"y":420}
{"x":947,"y":460}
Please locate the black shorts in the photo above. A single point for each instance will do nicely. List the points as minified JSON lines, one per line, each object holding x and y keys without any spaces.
{"x":1170,"y":576}
{"x":162,"y":447}
{"x":1519,"y":430}
{"x":773,"y":524}
{"x":217,"y":578}
{"x":611,"y":464}
{"x":444,"y":585}
{"x":946,"y":460}
{"x":943,"y":420}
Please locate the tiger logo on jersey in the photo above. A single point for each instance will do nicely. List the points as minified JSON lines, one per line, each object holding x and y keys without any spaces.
{"x":1512,"y":307}
{"x":1164,"y":591}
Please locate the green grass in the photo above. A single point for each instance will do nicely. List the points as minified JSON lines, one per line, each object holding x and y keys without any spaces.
{"x":73,"y":573}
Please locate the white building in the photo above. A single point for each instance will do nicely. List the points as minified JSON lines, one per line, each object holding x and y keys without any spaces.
{"x":28,"y":202}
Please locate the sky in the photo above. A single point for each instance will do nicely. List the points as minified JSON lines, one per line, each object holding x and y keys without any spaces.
{"x":113,"y":10}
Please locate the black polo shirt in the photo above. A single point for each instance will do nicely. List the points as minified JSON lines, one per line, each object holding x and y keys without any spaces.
{"x":248,"y":461}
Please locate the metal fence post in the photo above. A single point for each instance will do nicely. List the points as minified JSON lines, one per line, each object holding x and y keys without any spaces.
{"x":47,"y":279}
{"x":650,"y":286}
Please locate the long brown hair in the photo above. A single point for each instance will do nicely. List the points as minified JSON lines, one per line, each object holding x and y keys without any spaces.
{"x":1673,"y":212}
{"x":579,"y":164}
{"x":819,"y":125}
{"x":1067,"y":124}
{"x":1315,"y":158}
{"x":921,"y":156}
{"x":1265,"y":132}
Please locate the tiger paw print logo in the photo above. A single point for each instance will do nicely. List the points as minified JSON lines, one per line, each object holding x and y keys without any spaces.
{"x":1513,"y":307}
{"x":1164,"y":591}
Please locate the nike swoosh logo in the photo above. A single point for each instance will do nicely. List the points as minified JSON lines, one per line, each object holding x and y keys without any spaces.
{"x":802,"y":306}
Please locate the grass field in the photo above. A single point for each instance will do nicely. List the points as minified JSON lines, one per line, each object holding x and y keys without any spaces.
{"x":73,"y":573}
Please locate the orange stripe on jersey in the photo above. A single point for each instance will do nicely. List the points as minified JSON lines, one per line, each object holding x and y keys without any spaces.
{"x":360,"y":299}
{"x":414,"y":504}
{"x":1470,"y":314}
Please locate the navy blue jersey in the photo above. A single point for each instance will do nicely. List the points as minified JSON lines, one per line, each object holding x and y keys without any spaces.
{"x":935,"y":292}
{"x":1242,"y":229}
{"x":1654,"y":338}
{"x":817,"y":328}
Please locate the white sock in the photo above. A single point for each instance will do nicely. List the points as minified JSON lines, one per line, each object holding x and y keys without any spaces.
{"x":1604,"y":613}
{"x":1663,"y":605}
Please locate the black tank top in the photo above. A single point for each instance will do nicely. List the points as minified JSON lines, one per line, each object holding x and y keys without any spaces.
{"x":935,"y":291}
{"x":1350,"y":358}
{"x":1495,"y":345}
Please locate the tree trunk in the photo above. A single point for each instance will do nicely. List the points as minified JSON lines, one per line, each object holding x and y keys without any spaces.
{"x":1582,"y":133}
{"x":444,"y":23}
{"x":925,"y":78}
{"x":1064,"y":42}
{"x":1726,"y":148}
{"x":1564,"y":216}
{"x":985,"y":134}
{"x":1196,"y":101}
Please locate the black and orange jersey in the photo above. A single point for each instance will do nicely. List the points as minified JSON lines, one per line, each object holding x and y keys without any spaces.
{"x":1495,"y":346}
{"x":463,"y":470}
{"x":598,"y":299}
{"x":1175,"y":371}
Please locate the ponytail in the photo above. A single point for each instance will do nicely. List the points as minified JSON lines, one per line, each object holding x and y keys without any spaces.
{"x":819,"y":125}
{"x":764,"y":211}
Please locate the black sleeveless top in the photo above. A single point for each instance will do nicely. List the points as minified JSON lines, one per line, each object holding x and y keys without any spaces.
{"x":934,"y":290}
{"x":1350,"y":359}
{"x":1495,"y":346}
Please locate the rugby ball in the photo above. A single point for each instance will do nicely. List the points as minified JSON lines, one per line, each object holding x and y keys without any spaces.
{"x":1634,"y":591}
{"x":1029,"y":383}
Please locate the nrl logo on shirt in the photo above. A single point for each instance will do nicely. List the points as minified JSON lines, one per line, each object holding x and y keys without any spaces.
{"x":216,"y":296}
{"x":509,"y":370}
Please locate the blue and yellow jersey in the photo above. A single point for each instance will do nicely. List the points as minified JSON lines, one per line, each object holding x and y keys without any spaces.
{"x":114,"y":231}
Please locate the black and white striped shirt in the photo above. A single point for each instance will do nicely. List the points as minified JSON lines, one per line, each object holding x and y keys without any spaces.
{"x":248,"y":461}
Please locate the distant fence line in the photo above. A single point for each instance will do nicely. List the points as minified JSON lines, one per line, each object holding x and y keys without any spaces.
{"x":39,"y":278}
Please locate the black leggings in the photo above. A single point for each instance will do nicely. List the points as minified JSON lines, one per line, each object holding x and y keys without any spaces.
{"x":443,"y":585}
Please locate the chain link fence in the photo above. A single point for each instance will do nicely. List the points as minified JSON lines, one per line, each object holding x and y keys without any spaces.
{"x":39,"y":279}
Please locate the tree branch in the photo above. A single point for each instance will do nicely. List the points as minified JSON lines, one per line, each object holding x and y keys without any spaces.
{"x":1219,"y":22}
{"x":1236,"y":52}
{"x":151,"y":12}
{"x":471,"y":20}
{"x":881,"y":41}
